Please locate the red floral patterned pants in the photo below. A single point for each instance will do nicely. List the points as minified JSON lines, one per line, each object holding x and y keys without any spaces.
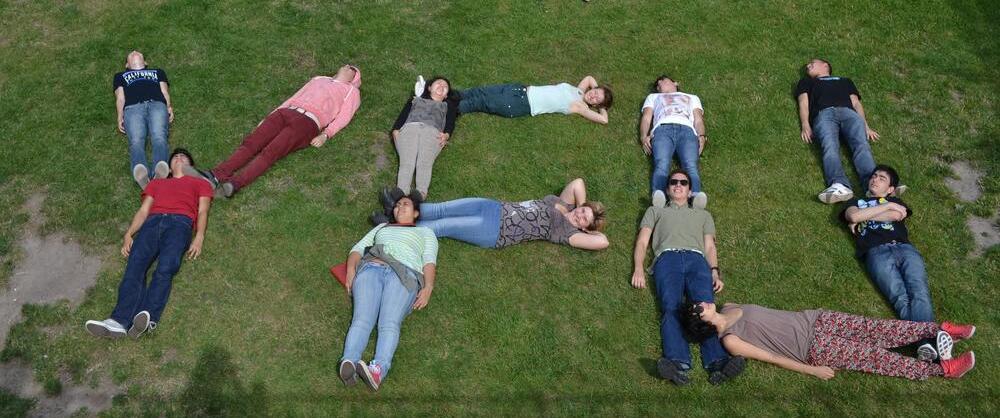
{"x":845,"y":341}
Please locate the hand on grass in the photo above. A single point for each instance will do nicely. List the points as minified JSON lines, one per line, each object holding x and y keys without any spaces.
{"x":639,"y":279}
{"x":127,"y":245}
{"x":807,"y":135}
{"x":170,"y":112}
{"x":647,"y":144}
{"x":395,"y":135}
{"x":121,"y":125}
{"x":823,"y":372}
{"x":319,"y":140}
{"x":872,"y":135}
{"x":194,"y":250}
{"x":423,"y":297}
{"x":443,"y":139}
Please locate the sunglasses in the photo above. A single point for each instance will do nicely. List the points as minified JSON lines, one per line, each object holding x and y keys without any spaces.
{"x":682,"y":182}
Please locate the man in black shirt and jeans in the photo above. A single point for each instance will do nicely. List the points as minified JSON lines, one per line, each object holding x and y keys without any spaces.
{"x":883,"y":245}
{"x":142,"y":99}
{"x":833,"y":104}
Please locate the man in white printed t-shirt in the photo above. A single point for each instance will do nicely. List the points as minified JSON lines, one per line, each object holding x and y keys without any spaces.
{"x":673,"y":122}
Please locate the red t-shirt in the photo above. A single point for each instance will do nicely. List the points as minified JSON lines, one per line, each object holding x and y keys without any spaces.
{"x":177,"y":196}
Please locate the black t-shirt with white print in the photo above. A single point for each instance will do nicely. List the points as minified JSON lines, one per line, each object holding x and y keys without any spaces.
{"x":870,"y":234}
{"x":824,"y":92}
{"x":141,"y":85}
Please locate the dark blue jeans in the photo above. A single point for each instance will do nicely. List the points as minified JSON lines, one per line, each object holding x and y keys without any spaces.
{"x":163,"y":238}
{"x":508,"y":100}
{"x":673,"y":138}
{"x":898,"y":271}
{"x":678,"y":274}
{"x":828,"y":126}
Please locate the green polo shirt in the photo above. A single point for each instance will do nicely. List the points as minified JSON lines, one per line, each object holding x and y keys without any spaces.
{"x":678,"y":227}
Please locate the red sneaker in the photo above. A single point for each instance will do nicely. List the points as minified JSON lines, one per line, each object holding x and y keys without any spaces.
{"x":958,"y":331}
{"x":371,"y":374}
{"x":958,"y":367}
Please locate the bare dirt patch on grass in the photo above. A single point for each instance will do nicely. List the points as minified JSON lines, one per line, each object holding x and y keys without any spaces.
{"x":968,"y":187}
{"x":18,"y":378}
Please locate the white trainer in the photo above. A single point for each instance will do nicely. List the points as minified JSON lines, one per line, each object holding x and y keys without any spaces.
{"x":835,"y":193}
{"x":659,"y":199}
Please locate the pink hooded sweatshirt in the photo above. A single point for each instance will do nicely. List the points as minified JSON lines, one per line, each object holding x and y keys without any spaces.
{"x":333,"y":102}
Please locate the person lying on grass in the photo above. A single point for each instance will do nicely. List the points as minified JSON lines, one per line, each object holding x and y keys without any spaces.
{"x":142,"y":100}
{"x":685,"y":264}
{"x":588,"y":99}
{"x":565,"y":219}
{"x":818,"y":342}
{"x":421,"y":131}
{"x":389,"y":273}
{"x":162,"y":227}
{"x":320,"y":109}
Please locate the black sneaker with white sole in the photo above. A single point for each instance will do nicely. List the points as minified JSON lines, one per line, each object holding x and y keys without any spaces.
{"x":671,"y":371}
{"x":927,"y":353}
{"x":728,"y":369}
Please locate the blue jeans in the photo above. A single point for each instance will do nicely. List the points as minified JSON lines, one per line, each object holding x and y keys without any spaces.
{"x":678,"y":274}
{"x":898,"y":271}
{"x":149,"y":117}
{"x":667,"y":139}
{"x":508,"y":100}
{"x":378,"y":294}
{"x":473,"y":220}
{"x":828,"y":126}
{"x":164,"y":238}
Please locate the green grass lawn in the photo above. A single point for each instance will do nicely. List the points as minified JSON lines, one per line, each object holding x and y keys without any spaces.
{"x":256,"y":325}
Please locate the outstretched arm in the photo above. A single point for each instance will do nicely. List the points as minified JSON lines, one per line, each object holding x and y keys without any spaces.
{"x":165,"y":89}
{"x":120,"y":107}
{"x":737,"y":347}
{"x":712,"y":256}
{"x":639,"y":258}
{"x":804,"y":118}
{"x":645,"y":123}
{"x":199,"y":236}
{"x":856,"y":103}
{"x":575,"y":192}
{"x":137,"y":221}
{"x":699,"y":128}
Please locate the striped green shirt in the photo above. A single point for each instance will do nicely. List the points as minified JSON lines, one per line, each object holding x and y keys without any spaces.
{"x":413,"y":246}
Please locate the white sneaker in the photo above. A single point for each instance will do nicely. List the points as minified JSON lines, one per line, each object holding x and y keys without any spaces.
{"x":161,"y":170}
{"x":108,"y":328}
{"x":659,"y":199}
{"x":141,"y":175}
{"x":927,"y":353}
{"x":419,"y":86}
{"x":140,"y":323}
{"x":899,"y":190}
{"x":944,"y":345}
{"x":835,"y":193}
{"x":699,"y":200}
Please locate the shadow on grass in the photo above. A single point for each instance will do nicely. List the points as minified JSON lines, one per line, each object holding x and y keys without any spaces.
{"x":215,"y":388}
{"x":649,"y":365}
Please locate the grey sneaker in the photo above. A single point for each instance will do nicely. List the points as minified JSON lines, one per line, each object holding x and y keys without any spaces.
{"x":927,"y":353}
{"x":670,"y":371}
{"x":348,"y":373}
{"x":196,"y":173}
{"x":225,"y":190}
{"x":728,"y":369}
{"x":835,"y":193}
{"x":899,"y":190}
{"x":141,"y":175}
{"x":140,"y":323}
{"x":108,"y":328}
{"x":944,"y":345}
{"x":161,"y":170}
{"x":659,"y":199}
{"x":699,"y":200}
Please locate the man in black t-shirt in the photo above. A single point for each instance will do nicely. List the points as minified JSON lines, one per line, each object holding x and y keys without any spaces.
{"x":833,"y":105}
{"x":884,"y":246}
{"x":142,"y":99}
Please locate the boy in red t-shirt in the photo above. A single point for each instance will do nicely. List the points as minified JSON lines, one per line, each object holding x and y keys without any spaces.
{"x":164,"y":222}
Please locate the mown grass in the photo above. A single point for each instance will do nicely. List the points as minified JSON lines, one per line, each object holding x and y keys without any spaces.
{"x":256,"y":326}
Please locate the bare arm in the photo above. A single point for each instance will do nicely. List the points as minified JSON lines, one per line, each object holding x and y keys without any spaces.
{"x":591,"y":240}
{"x":587,"y":83}
{"x":639,"y":257}
{"x":711,"y":255}
{"x":120,"y":107}
{"x":699,"y":128}
{"x":137,"y":221}
{"x":352,"y":265}
{"x":204,"y":203}
{"x":645,"y":123}
{"x":165,"y":89}
{"x":738,"y":347}
{"x":889,"y":212}
{"x":424,"y":296}
{"x":600,"y":115}
{"x":575,"y":192}
{"x":804,"y":118}
{"x":856,"y":103}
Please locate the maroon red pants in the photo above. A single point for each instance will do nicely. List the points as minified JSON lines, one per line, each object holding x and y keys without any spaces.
{"x":283,"y":132}
{"x":845,"y":341}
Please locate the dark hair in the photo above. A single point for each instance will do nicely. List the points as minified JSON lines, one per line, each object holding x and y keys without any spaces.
{"x":679,"y":171}
{"x":609,"y":97}
{"x":414,"y":197}
{"x":695,"y":328}
{"x":453,"y":95}
{"x":655,"y":88}
{"x":183,"y":152}
{"x":893,"y":175}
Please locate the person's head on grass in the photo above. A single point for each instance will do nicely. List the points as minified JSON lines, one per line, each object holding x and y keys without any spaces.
{"x":346,"y":73}
{"x":883,"y":181}
{"x":665,"y":84}
{"x":818,"y":67}
{"x":600,"y":97}
{"x":135,"y":61}
{"x":179,"y":159}
{"x":439,"y":89}
{"x":407,"y":208}
{"x":590,"y":216}
{"x":699,"y":320}
{"x":679,"y":186}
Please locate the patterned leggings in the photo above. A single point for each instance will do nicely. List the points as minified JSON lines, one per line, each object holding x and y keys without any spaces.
{"x":845,"y":341}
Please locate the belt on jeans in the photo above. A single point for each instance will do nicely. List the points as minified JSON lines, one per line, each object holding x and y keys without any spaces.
{"x":308,"y":114}
{"x":680,"y":250}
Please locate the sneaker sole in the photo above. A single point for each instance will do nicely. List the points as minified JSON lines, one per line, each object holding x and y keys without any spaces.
{"x":102,"y":331}
{"x":659,"y":200}
{"x":350,"y":378}
{"x":366,"y":376}
{"x":700,"y":201}
{"x":733,"y":368}
{"x":161,"y":171}
{"x":830,"y":198}
{"x":944,"y":345}
{"x":926,"y":353}
{"x":139,"y":325}
{"x":669,"y":371}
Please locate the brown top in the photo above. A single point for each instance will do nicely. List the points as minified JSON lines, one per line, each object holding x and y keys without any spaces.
{"x":781,"y":332}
